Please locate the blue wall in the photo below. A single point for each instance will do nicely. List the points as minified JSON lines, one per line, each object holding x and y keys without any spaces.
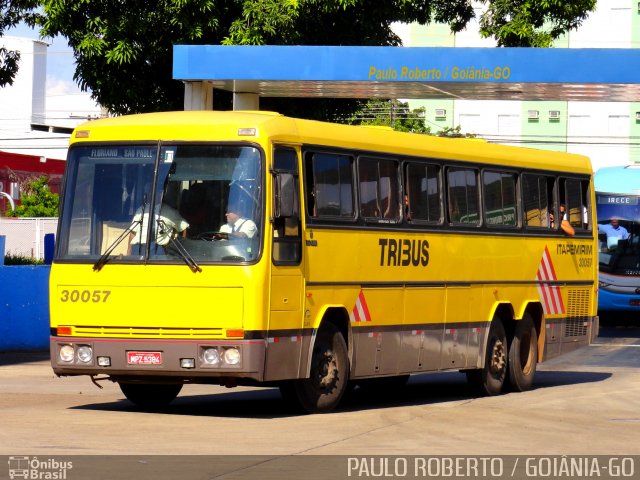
{"x":24,"y":307}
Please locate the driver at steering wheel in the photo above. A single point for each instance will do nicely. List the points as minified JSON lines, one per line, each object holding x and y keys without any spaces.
{"x":237,"y":225}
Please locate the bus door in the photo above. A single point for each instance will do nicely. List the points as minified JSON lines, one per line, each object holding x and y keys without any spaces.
{"x":285,"y":336}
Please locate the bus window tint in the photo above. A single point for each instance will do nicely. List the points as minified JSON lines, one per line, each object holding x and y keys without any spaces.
{"x":537,"y":191}
{"x":197,"y":186}
{"x":378,"y":181}
{"x":331,"y":185}
{"x":423,"y":193}
{"x":500,"y":198}
{"x":462,"y":185}
{"x":573,"y":198}
{"x":106,"y":187}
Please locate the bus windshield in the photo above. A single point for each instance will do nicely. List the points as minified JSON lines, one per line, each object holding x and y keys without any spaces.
{"x":162,"y":203}
{"x":619,"y":233}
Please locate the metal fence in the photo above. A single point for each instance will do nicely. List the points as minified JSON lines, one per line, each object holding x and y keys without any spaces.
{"x":25,"y":236}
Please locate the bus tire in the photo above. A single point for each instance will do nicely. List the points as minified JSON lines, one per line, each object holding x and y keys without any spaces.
{"x":489,"y":380}
{"x":329,"y":374}
{"x":523,"y":355}
{"x":150,"y":395}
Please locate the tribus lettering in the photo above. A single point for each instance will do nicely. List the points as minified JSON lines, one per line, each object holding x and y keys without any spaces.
{"x":403,"y":252}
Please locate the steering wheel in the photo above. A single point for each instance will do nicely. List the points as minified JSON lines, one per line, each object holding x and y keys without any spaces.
{"x":212,"y":236}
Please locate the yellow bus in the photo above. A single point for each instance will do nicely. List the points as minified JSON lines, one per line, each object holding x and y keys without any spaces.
{"x":248,"y":248}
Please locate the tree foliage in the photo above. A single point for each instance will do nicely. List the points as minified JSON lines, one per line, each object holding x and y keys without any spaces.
{"x":123,"y":48}
{"x":532,"y":23}
{"x":391,"y":113}
{"x":12,"y":12}
{"x":37,"y":200}
{"x":454,"y":132}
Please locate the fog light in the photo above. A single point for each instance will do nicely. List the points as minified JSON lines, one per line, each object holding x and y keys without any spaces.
{"x":232,"y":356}
{"x":85,"y":354}
{"x":188,"y":362}
{"x":211,"y":356}
{"x":66,"y":353}
{"x":104,"y":361}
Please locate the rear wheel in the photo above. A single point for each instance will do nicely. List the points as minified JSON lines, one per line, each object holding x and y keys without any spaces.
{"x":523,"y":355}
{"x":329,"y":375}
{"x":490,"y":378}
{"x":150,"y":395}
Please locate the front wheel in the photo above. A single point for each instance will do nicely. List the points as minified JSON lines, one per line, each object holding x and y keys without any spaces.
{"x":150,"y":395}
{"x":490,"y":378}
{"x":523,"y":355}
{"x":329,"y":375}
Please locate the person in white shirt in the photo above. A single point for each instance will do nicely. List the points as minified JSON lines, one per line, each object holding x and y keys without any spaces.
{"x":237,"y":225}
{"x":614,"y":232}
{"x":170,"y":222}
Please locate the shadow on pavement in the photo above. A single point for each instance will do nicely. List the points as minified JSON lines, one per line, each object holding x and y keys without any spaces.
{"x":422,"y":389}
{"x":13,"y":358}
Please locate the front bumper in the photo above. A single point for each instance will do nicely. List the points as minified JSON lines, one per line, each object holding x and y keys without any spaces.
{"x":171,"y":352}
{"x":618,"y":301}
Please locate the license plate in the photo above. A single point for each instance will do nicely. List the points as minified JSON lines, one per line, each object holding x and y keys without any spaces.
{"x":144,"y":358}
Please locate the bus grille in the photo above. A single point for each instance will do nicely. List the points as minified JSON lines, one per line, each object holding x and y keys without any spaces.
{"x":148,"y":332}
{"x":578,"y":311}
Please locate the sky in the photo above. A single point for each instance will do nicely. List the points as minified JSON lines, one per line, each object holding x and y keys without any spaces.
{"x":61,"y":88}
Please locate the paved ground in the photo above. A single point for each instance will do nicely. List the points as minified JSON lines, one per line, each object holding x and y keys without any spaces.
{"x":585,"y":403}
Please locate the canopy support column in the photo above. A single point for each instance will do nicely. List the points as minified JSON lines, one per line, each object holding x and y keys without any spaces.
{"x":198,"y":96}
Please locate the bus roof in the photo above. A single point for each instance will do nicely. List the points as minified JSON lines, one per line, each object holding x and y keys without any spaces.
{"x":270,"y":126}
{"x":623,"y":179}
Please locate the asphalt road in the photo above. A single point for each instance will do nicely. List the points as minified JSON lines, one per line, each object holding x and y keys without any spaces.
{"x":585,"y":403}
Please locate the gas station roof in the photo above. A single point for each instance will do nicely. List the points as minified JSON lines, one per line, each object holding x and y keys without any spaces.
{"x":415,"y":72}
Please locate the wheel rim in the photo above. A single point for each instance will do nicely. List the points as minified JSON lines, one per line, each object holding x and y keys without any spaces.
{"x":526,"y":353}
{"x":498,"y":358}
{"x":326,"y":370}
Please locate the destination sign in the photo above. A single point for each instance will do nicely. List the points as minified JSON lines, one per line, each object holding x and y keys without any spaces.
{"x":616,"y":200}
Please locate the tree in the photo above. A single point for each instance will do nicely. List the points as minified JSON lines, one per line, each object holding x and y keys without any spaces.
{"x":393,"y":114}
{"x":12,"y":12}
{"x":37,"y":201}
{"x":454,"y":132}
{"x":123,"y":49}
{"x":532,"y":23}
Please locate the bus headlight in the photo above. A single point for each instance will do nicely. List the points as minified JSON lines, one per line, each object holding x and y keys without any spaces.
{"x":85,"y":354}
{"x":232,"y":356}
{"x":66,"y":353}
{"x":211,"y":356}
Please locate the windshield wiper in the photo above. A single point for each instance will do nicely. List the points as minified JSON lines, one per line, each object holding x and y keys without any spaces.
{"x":104,"y":258}
{"x":186,"y":256}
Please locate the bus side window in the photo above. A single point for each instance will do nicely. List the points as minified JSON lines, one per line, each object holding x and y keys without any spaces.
{"x":586,"y":190}
{"x":537,"y":200}
{"x":378,"y":187}
{"x":423,"y":193}
{"x":572,"y":195}
{"x":463,"y":195}
{"x":329,"y":184}
{"x":500,"y":207}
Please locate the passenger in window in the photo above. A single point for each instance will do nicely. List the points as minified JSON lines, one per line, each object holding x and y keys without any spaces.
{"x":169,"y":223}
{"x":614,"y":232}
{"x":237,"y":225}
{"x":565,"y":226}
{"x":407,"y":211}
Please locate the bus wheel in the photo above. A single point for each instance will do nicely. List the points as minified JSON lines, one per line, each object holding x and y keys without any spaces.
{"x":490,"y":378}
{"x":523,"y":355}
{"x":150,"y":395}
{"x":329,"y":375}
